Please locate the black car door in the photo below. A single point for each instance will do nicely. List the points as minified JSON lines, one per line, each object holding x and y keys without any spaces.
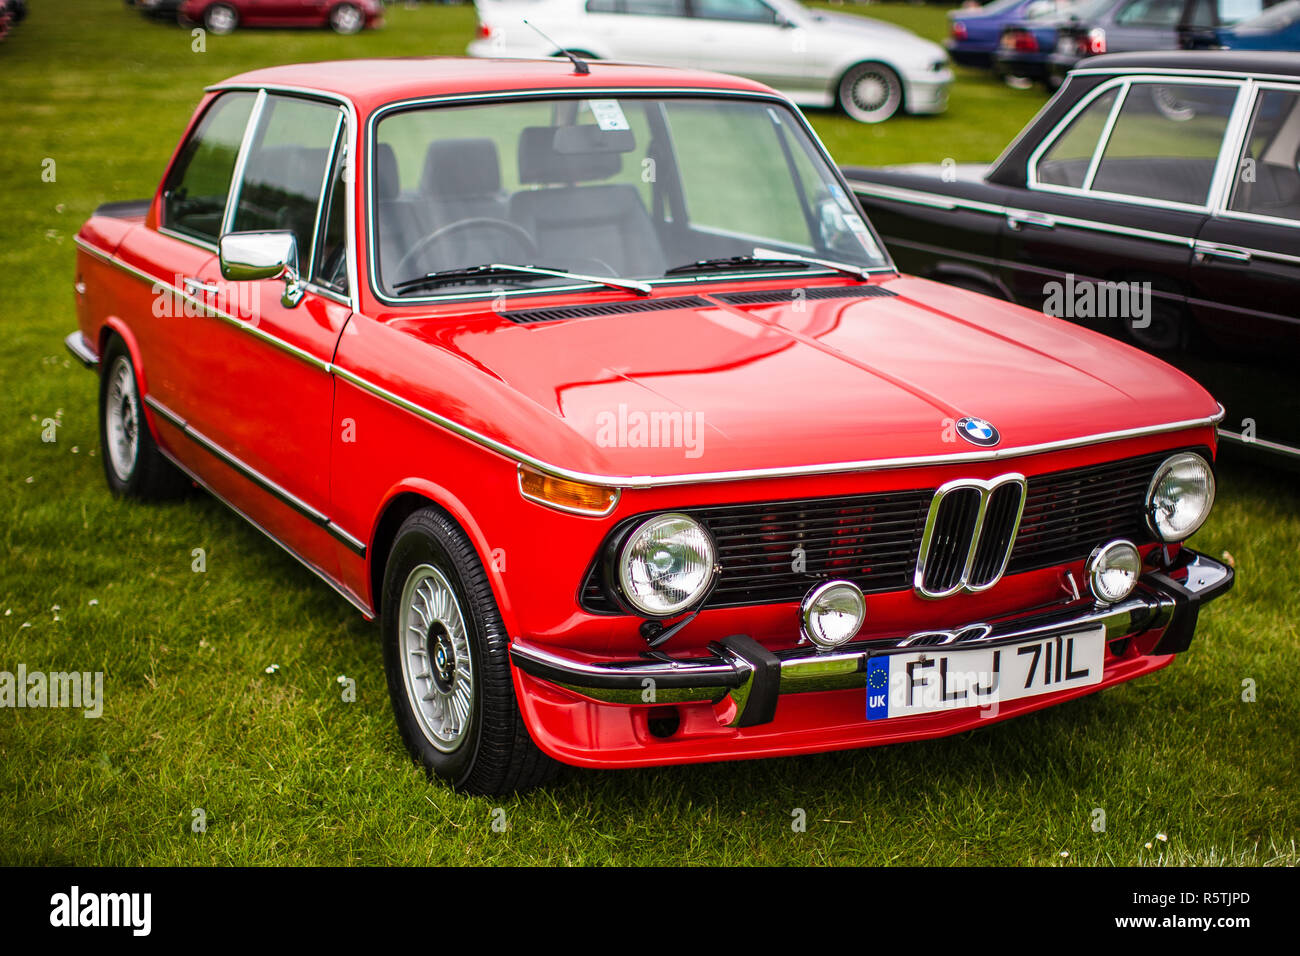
{"x":1117,"y":194}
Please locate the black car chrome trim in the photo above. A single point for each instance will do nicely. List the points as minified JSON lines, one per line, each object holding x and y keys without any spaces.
{"x":1165,"y":599}
{"x":75,"y":343}
{"x":256,"y":477}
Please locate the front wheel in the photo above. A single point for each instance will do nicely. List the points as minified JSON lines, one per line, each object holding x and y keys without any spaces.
{"x":347,"y":19}
{"x":870,"y":93}
{"x":220,"y":18}
{"x":446,"y":655}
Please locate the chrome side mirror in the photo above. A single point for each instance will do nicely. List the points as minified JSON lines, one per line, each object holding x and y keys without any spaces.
{"x":252,"y":256}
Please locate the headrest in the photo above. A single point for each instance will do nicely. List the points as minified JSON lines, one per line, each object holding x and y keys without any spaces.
{"x":540,"y":162}
{"x":387,"y":182}
{"x":461,"y":169}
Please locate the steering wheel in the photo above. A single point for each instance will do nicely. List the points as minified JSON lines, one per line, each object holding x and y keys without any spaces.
{"x":441,"y":234}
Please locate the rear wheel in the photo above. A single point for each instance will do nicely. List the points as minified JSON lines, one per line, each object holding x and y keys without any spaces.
{"x":347,"y":19}
{"x":220,"y":18}
{"x":446,"y":655}
{"x":133,"y":465}
{"x":870,"y":92}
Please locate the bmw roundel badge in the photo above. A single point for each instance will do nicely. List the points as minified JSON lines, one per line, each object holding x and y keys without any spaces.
{"x":978,"y":432}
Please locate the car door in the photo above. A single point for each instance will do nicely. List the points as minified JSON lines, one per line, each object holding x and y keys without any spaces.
{"x":748,"y":38}
{"x":1117,"y":194}
{"x":648,"y":31}
{"x":264,"y":376}
{"x":1246,"y":271}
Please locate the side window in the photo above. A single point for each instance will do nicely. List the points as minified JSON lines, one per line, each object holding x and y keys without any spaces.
{"x":1066,"y":161}
{"x":604,"y":6}
{"x":1166,"y":141}
{"x":331,"y":264}
{"x":1267,"y":182}
{"x":194,"y":197}
{"x":286,"y":169}
{"x":1151,"y":13}
{"x":745,"y":11}
{"x":655,"y":8}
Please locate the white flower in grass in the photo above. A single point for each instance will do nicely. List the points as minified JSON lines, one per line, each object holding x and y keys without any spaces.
{"x":273,"y":668}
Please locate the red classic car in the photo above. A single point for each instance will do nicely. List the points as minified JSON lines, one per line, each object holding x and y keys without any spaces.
{"x":595,"y":387}
{"x":341,"y":16}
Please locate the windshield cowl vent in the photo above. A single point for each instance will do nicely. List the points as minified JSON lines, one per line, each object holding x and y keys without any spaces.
{"x":559,"y":312}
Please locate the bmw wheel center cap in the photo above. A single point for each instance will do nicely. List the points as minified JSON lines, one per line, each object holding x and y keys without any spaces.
{"x":978,"y":432}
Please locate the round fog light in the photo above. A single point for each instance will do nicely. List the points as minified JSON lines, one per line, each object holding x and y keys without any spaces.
{"x":1113,"y":571}
{"x":832,"y":613}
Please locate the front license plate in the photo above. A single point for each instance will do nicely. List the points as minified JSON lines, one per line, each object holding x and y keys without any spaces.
{"x":932,"y":679}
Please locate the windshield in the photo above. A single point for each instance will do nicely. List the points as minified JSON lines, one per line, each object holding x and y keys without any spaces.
{"x":628,"y":188}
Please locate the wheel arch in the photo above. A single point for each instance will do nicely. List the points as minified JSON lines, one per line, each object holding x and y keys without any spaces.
{"x":114,"y":327}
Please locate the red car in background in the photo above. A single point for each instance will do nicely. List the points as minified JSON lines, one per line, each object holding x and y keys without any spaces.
{"x":341,"y":16}
{"x":633,"y":467}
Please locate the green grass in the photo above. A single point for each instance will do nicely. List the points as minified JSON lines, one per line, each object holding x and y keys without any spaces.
{"x":289,"y":773}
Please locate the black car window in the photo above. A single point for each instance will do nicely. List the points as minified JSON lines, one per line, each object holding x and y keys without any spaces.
{"x":1267,"y":181}
{"x":1067,"y":160}
{"x":194,"y":197}
{"x":745,"y":11}
{"x":655,"y":8}
{"x":285,"y":172}
{"x":1166,"y":141}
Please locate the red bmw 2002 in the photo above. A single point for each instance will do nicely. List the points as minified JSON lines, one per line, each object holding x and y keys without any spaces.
{"x":596,"y":388}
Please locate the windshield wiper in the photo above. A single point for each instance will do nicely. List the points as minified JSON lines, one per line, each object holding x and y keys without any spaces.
{"x":766,"y":259}
{"x":493,"y":270}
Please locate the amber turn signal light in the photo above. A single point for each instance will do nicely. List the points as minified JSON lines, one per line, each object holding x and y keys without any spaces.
{"x":575,"y":496}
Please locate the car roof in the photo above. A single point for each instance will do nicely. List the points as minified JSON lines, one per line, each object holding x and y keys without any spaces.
{"x":1210,"y":61}
{"x":369,"y":83}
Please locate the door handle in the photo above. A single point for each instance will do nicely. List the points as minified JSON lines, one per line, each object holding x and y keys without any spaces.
{"x":1018,"y":220}
{"x":195,"y":286}
{"x":1205,"y":250}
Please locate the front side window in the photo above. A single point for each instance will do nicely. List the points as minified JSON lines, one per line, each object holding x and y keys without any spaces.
{"x":1067,"y":160}
{"x":286,"y":170}
{"x":1267,"y":179}
{"x":194,"y":196}
{"x":634,"y":187}
{"x":745,"y":11}
{"x":1166,"y":141}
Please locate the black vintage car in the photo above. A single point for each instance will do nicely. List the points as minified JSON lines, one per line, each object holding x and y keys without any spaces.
{"x":1177,"y":169}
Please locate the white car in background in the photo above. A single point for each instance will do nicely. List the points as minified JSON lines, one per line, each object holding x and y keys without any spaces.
{"x":868,"y":68}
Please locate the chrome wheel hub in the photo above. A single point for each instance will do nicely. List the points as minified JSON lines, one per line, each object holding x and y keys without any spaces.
{"x":436,"y":664}
{"x":122,"y":410}
{"x":871,"y":92}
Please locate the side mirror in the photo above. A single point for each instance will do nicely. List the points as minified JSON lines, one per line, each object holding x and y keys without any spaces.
{"x":252,"y":256}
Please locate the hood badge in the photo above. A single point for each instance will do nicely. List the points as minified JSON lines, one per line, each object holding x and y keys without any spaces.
{"x":978,"y":432}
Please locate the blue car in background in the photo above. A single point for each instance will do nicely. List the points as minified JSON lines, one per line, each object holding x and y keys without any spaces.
{"x":975,"y":31}
{"x":1277,"y":28}
{"x":1025,"y":44}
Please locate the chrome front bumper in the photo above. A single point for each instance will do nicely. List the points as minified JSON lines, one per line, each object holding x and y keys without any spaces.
{"x":755,"y":678}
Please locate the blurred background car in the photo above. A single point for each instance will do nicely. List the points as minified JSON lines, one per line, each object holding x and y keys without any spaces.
{"x":974,"y":32}
{"x":868,"y":68}
{"x":157,"y":9}
{"x":1026,"y":45}
{"x":1277,"y":28}
{"x":341,"y":16}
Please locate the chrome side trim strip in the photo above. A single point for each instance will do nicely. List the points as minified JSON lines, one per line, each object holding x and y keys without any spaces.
{"x":255,"y":476}
{"x":335,"y":585}
{"x":1239,"y":439}
{"x":75,"y":343}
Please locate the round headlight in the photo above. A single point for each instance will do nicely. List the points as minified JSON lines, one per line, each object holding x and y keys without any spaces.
{"x":832,"y":613}
{"x":665,"y":565}
{"x":1113,"y":571}
{"x":1180,"y":497}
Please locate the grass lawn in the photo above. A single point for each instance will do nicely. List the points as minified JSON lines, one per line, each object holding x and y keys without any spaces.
{"x":286,"y":772}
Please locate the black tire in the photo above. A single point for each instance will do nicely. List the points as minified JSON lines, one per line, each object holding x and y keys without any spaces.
{"x":133,"y":465}
{"x":493,"y":754}
{"x":220,"y":18}
{"x":347,"y":19}
{"x":870,"y":92}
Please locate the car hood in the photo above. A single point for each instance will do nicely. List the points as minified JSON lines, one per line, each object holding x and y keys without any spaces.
{"x":802,"y":381}
{"x":891,"y":39}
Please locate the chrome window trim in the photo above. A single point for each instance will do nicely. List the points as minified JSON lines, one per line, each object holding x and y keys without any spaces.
{"x":1103,"y":138}
{"x":454,"y":99}
{"x":985,"y":490}
{"x":326,"y":176}
{"x":268,"y":485}
{"x":192,"y":240}
{"x":1221,"y":209}
{"x":241,"y":161}
{"x":657,"y":481}
{"x":1127,"y":81}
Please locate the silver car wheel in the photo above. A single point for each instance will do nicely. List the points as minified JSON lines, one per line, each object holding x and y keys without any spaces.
{"x":123,"y":419}
{"x":220,"y":19}
{"x":871,"y":93}
{"x":346,"y":19}
{"x":436,"y":663}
